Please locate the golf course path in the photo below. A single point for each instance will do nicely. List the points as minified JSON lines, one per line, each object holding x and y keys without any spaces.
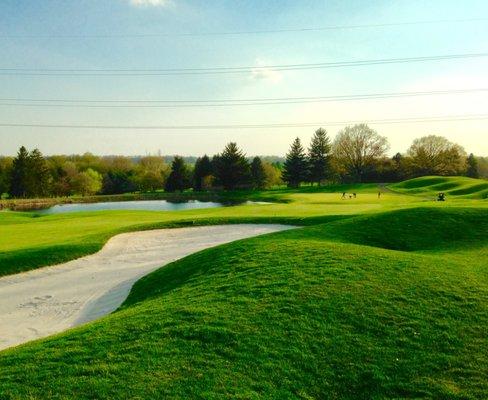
{"x":48,"y":300}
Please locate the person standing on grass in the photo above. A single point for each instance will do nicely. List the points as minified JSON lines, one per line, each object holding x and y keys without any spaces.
{"x":343,"y":195}
{"x":379,"y":195}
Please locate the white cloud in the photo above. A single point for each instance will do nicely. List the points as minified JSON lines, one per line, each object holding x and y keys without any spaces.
{"x":151,"y":3}
{"x":261,"y":72}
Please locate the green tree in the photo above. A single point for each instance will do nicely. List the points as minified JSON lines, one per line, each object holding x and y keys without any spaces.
{"x":319,"y":156}
{"x":179,"y":177}
{"x":483,"y":166}
{"x":20,"y":181}
{"x":231,"y":168}
{"x":435,"y":155}
{"x":472,"y":167}
{"x":258,"y":173}
{"x":118,"y":182}
{"x":203,"y":169}
{"x":40,"y":176}
{"x":5,"y":173}
{"x":272,"y":175}
{"x":151,"y":173}
{"x":356,"y":149}
{"x":87,"y":182}
{"x":295,"y":169}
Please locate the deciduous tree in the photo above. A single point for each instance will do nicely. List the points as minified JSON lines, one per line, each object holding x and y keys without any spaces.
{"x":203,"y":169}
{"x":435,"y":155}
{"x":87,"y":182}
{"x":472,"y":167}
{"x":5,"y":173}
{"x":272,"y":175}
{"x":357,"y":148}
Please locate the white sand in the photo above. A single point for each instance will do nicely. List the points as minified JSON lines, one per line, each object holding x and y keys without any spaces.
{"x":45,"y":301}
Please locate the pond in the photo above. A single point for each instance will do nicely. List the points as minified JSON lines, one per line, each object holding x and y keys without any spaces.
{"x":148,"y":205}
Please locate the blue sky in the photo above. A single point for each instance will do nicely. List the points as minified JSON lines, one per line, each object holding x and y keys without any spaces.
{"x":59,"y":34}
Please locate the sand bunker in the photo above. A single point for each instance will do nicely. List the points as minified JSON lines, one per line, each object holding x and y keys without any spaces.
{"x":42,"y":302}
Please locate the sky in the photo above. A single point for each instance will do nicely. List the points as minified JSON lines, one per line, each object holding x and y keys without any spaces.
{"x":129,"y":35}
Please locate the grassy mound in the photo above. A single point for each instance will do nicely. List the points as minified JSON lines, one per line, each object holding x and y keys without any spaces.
{"x":417,"y":229}
{"x":299,"y":314}
{"x":458,"y":186}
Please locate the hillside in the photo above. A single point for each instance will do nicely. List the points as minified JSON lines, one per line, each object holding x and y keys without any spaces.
{"x":453,"y":186}
{"x":317,"y":312}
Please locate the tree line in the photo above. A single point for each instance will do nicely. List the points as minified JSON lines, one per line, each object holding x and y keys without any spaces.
{"x":30,"y":175}
{"x":357,"y":154}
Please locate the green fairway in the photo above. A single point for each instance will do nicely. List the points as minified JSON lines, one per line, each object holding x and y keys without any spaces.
{"x":28,"y":241}
{"x":371,"y":299}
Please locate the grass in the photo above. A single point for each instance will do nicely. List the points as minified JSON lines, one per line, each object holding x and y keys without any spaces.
{"x":456,"y":186}
{"x":29,"y":241}
{"x":372,"y":299}
{"x":297,"y":314}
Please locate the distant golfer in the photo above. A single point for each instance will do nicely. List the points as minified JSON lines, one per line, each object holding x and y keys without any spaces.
{"x":379,"y":195}
{"x":343,"y":195}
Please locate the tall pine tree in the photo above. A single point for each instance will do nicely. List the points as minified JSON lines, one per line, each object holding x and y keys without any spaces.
{"x":20,"y":182}
{"x":319,"y":157}
{"x":231,"y":168}
{"x":40,"y":175}
{"x":295,"y":170}
{"x":258,"y":173}
{"x":179,"y":178}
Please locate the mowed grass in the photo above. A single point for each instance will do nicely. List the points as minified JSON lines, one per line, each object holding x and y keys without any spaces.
{"x":373,"y":306}
{"x":29,"y":241}
{"x":453,"y":186}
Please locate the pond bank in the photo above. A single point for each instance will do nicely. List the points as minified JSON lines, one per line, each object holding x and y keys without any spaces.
{"x":220,"y":197}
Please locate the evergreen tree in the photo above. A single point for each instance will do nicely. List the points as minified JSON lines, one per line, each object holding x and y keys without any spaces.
{"x":203,"y":168}
{"x":258,"y":173}
{"x":179,"y":177}
{"x":295,"y":169}
{"x":40,"y":176}
{"x":319,"y":156}
{"x":231,"y":168}
{"x":118,"y":182}
{"x":472,"y":167}
{"x":20,"y":179}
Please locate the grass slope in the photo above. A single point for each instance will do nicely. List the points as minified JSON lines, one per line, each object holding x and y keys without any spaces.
{"x":299,"y":314}
{"x":29,"y":241}
{"x":456,"y":186}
